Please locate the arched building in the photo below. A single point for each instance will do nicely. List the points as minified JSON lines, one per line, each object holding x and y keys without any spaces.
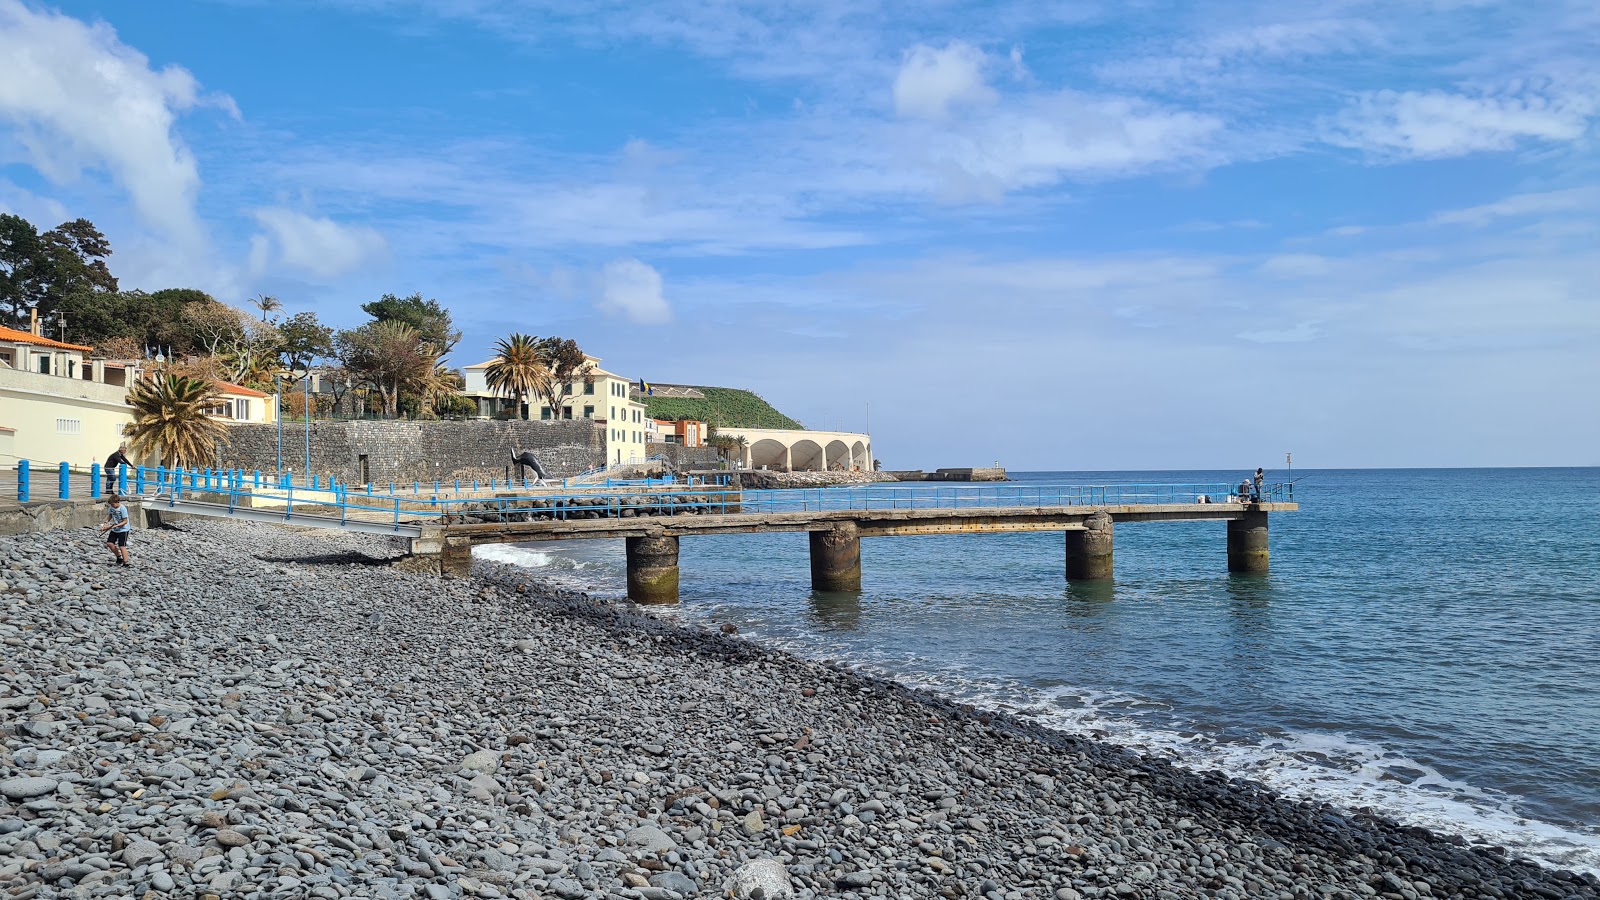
{"x":795,"y":450}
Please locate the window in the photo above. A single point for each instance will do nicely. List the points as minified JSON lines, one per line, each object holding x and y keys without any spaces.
{"x":43,"y":363}
{"x":68,"y":426}
{"x":242,"y":409}
{"x":566,"y":412}
{"x":636,"y":414}
{"x":72,"y":368}
{"x":588,"y":412}
{"x":613,"y":412}
{"x":5,"y":357}
{"x":544,"y":413}
{"x":588,"y":387}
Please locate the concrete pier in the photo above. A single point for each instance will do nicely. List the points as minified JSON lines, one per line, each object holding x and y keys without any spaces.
{"x":836,"y":558}
{"x":1089,"y":552}
{"x":1247,"y":542}
{"x":653,"y":569}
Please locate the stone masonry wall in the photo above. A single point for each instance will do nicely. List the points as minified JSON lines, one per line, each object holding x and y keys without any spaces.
{"x":683,"y":457}
{"x":416,"y":451}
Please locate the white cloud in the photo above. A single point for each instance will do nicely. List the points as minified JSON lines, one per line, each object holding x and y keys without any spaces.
{"x":632,"y":289}
{"x":80,"y":98}
{"x":1571,"y":200}
{"x":931,"y":80}
{"x":1295,"y":265}
{"x":314,"y":246}
{"x":1439,"y":124}
{"x":1041,"y":139}
{"x":1296,"y":334}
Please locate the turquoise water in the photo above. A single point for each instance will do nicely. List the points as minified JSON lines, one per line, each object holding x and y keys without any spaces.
{"x":1426,"y":645}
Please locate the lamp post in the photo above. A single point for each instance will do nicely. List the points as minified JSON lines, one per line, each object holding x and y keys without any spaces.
{"x":277,"y":386}
{"x":308,"y":421}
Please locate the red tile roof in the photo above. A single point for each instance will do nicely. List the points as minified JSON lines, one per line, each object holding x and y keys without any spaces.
{"x":230,"y":388}
{"x":24,"y":337}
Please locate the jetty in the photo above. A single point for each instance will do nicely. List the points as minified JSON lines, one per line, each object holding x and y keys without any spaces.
{"x":443,"y":521}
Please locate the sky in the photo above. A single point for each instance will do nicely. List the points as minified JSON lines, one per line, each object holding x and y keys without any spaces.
{"x":1052,"y":235}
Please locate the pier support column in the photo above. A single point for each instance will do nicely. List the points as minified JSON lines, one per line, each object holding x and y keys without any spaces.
{"x":1247,"y":543}
{"x":456,"y":557}
{"x":1089,"y":552}
{"x":836,"y":558}
{"x":653,"y":569}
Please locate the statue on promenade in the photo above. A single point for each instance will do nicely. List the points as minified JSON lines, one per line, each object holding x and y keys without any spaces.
{"x":528,"y":459}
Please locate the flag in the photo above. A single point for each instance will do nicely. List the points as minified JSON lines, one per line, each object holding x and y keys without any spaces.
{"x":645,"y":388}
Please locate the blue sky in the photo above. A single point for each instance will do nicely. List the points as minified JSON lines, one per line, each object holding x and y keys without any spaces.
{"x":1057,"y":235}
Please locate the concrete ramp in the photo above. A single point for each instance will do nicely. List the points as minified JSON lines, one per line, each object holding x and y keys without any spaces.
{"x":155,"y":509}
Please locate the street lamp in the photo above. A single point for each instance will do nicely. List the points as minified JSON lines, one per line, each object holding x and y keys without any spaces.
{"x":277,"y":385}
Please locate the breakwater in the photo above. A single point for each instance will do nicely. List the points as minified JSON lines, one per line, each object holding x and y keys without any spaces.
{"x":239,"y":723}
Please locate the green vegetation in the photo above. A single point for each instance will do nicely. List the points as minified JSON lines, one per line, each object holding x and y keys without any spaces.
{"x":727,"y":407}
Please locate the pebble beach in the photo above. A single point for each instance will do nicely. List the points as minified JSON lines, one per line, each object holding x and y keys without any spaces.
{"x":259,"y":712}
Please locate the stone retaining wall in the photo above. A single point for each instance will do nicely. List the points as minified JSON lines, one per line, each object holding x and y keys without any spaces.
{"x":416,"y":451}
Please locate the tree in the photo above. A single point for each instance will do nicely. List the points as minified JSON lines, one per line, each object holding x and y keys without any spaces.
{"x":518,"y":369}
{"x":170,"y":420}
{"x":240,"y":348}
{"x":266,"y":304}
{"x":39,"y":272}
{"x":427,"y":317}
{"x":303,"y":339}
{"x":389,"y":356}
{"x":567,"y":366}
{"x":21,"y":256}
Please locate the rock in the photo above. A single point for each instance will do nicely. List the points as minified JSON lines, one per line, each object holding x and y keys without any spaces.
{"x":675,"y":881}
{"x":140,"y":852}
{"x":567,"y":889}
{"x":485,"y":761}
{"x":227,"y":837}
{"x":765,"y":879}
{"x":162,"y":882}
{"x":752,"y":823}
{"x":650,"y":839}
{"x":26,"y":787}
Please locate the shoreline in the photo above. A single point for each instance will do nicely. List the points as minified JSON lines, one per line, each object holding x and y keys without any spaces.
{"x":584,"y":737}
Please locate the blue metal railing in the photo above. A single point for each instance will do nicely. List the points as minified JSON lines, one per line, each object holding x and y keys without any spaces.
{"x":621,"y":498}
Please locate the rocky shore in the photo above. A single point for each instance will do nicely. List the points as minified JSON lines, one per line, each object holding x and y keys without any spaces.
{"x":258,"y":712}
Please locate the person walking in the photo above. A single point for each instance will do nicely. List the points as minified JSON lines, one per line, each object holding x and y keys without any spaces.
{"x":116,"y":529}
{"x":119,"y":458}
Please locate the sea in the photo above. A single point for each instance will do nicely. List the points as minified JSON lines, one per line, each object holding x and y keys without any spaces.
{"x":1426,"y":645}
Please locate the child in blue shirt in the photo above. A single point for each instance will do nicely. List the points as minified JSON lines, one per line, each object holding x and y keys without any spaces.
{"x":118,"y":526}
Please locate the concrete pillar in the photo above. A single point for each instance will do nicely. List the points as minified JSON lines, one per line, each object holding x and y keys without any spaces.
{"x":788,"y":458}
{"x":653,"y":569}
{"x":1247,"y":543}
{"x":456,"y":558}
{"x":836,"y":558}
{"x":1089,"y":551}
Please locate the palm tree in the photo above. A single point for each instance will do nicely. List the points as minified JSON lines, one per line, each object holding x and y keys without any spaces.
{"x":170,"y":420}
{"x":266,"y":304}
{"x":518,"y":368}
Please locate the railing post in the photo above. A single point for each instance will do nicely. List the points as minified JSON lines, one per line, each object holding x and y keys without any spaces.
{"x":397,"y":514}
{"x":258,"y":480}
{"x":94,"y":481}
{"x":177,"y":482}
{"x":64,"y":488}
{"x":138,"y":480}
{"x":122,"y":479}
{"x":22,"y":481}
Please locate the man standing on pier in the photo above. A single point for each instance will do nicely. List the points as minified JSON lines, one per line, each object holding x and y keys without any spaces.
{"x":1259,"y":483}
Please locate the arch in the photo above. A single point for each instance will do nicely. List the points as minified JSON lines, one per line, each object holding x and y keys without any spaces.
{"x":860,"y":458}
{"x":806,"y":455}
{"x":838,"y":454}
{"x":768,"y":452}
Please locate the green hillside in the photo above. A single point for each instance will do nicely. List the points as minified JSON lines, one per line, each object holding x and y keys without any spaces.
{"x":728,"y":407}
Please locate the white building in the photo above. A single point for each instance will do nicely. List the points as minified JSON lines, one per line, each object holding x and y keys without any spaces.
{"x":598,"y":395}
{"x":56,"y":404}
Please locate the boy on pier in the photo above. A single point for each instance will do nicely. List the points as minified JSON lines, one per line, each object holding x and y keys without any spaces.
{"x":118,"y":526}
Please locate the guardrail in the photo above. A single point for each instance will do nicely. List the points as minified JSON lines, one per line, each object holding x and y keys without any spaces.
{"x":456,"y":500}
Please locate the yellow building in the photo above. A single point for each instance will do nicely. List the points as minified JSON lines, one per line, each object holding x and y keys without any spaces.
{"x":599,"y":395}
{"x":57,"y":405}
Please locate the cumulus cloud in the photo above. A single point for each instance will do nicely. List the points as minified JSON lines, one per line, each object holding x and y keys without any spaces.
{"x":632,"y":289}
{"x":316,"y":246}
{"x":1440,"y":124}
{"x":79,"y":98}
{"x":932,"y":80}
